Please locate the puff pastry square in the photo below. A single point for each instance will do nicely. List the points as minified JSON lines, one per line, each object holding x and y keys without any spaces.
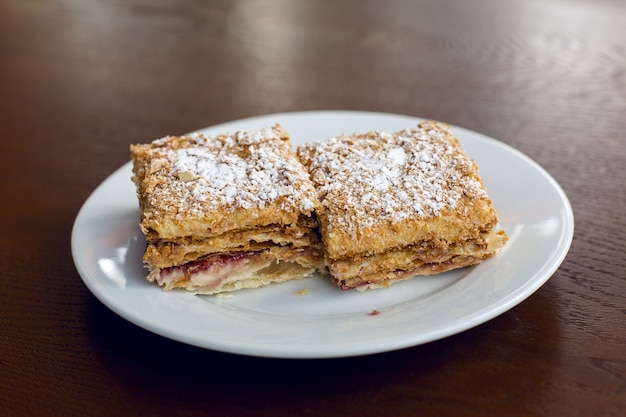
{"x":226,"y":212}
{"x":396,"y":205}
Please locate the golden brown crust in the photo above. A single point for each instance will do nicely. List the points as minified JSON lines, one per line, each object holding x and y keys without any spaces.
{"x":384,"y":196}
{"x":204,"y":186}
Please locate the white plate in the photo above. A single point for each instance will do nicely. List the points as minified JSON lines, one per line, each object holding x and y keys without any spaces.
{"x":310,"y":318}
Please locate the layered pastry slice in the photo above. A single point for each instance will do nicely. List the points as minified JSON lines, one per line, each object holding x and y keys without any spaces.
{"x":225,"y":212}
{"x":396,"y":205}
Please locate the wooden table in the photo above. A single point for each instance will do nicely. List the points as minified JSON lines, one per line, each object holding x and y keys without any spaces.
{"x":81,"y":80}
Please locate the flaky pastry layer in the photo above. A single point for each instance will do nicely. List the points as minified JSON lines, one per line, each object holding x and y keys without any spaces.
{"x":164,"y":254}
{"x":402,"y":263}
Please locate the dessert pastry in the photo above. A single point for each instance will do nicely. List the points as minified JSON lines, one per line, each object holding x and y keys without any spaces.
{"x":398,"y":205}
{"x":225,"y":212}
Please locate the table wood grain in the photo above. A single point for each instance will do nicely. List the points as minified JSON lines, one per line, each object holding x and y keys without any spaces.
{"x":81,"y":80}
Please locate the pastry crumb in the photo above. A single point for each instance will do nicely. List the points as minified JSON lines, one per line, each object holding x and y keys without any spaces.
{"x":224,"y":296}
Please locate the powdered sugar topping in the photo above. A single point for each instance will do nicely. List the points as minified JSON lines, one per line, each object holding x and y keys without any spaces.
{"x":197,"y":174}
{"x":379,"y":176}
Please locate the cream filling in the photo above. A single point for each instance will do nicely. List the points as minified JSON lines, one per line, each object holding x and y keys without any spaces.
{"x":230,"y":273}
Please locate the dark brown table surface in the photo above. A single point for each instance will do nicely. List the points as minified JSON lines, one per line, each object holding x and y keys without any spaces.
{"x":81,"y":80}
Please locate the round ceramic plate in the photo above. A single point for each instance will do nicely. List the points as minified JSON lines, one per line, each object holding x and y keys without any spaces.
{"x":310,"y":318}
